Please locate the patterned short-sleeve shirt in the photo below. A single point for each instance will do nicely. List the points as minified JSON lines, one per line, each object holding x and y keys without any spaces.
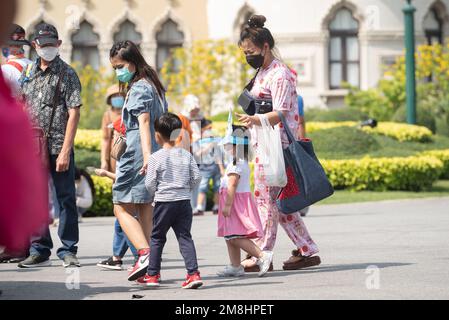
{"x":278,"y":83}
{"x":38,"y":89}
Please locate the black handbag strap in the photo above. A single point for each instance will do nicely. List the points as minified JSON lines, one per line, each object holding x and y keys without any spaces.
{"x":55,"y":101}
{"x":291,"y":137}
{"x":250,"y":85}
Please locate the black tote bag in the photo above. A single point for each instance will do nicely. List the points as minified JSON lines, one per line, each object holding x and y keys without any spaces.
{"x":307,"y":181}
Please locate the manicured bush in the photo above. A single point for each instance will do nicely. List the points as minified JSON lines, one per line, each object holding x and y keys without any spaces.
{"x":103,"y":197}
{"x":425,"y":117}
{"x":402,"y":132}
{"x":380,"y":174}
{"x":88,"y":139}
{"x":344,"y":140}
{"x":443,"y":156}
{"x":87,"y":158}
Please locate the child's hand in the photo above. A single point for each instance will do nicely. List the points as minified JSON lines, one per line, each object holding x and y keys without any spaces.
{"x":226,"y":211}
{"x":100,"y":172}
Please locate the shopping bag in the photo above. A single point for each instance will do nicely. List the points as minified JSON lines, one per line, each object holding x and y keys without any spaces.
{"x":270,"y":153}
{"x":307,"y":181}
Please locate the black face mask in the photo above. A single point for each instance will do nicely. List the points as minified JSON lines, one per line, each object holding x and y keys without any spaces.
{"x":255,"y":60}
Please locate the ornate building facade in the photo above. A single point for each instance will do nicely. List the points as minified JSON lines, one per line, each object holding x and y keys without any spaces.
{"x":88,"y":28}
{"x":334,"y":41}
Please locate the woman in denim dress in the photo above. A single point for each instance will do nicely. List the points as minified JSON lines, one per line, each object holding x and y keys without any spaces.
{"x":145,"y":102}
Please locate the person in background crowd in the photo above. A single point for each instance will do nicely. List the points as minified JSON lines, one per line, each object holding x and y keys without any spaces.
{"x":38,"y":85}
{"x":115,"y":100}
{"x":85,"y":190}
{"x":14,"y":54}
{"x":275,"y":81}
{"x":120,"y":242}
{"x":23,"y":182}
{"x":110,"y":127}
{"x":185,"y":138}
{"x":209,"y":157}
{"x":192,"y":111}
{"x":144,"y":105}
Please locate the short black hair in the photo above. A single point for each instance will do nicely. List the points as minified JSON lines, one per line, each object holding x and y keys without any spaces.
{"x":166,"y":124}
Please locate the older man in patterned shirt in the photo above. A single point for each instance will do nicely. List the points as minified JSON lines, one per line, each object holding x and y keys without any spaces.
{"x":51,"y":87}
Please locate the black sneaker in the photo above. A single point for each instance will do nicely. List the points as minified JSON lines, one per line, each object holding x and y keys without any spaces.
{"x":70,"y":260}
{"x":35,"y":261}
{"x":111,"y":264}
{"x":198,"y":213}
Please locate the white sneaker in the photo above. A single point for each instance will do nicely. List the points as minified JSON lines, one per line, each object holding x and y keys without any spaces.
{"x":265,"y":262}
{"x":230,"y":271}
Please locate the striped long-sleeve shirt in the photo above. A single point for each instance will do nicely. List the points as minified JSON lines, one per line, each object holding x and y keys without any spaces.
{"x":171,"y":176}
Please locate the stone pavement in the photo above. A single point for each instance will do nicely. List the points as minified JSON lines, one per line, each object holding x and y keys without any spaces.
{"x":384,"y":250}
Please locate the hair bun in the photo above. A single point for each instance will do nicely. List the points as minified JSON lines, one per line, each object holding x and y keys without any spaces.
{"x":257,"y":21}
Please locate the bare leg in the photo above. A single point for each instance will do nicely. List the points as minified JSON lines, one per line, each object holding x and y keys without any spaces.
{"x":248,"y":246}
{"x":201,"y":203}
{"x":234,"y":253}
{"x":216,"y":198}
{"x":131,"y":227}
{"x":145,"y":213}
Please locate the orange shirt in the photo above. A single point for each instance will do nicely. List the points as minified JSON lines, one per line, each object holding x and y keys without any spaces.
{"x":185,"y":138}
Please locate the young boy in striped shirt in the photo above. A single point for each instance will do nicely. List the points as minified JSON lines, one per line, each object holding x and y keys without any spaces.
{"x":171,"y":176}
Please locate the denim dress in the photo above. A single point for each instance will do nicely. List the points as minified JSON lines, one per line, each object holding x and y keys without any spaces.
{"x":129,"y":186}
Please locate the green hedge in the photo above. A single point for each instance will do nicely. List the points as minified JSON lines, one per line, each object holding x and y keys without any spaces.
{"x":380,"y":174}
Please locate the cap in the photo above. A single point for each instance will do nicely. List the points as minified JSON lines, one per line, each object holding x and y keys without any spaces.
{"x":46,"y":34}
{"x":17,"y":36}
{"x":112,"y":90}
{"x":236,"y":137}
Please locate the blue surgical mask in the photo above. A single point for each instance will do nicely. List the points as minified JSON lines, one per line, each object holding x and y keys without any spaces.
{"x":117,"y":102}
{"x":124,"y":75}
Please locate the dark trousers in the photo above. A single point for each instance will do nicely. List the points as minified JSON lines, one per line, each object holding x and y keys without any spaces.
{"x":121,"y":243}
{"x":176,"y":215}
{"x":68,"y":232}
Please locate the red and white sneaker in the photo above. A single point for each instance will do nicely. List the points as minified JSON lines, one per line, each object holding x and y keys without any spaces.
{"x":192,"y":281}
{"x":140,"y":267}
{"x":150,"y":281}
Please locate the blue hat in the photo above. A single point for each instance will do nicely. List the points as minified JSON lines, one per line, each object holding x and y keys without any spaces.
{"x":230,"y":138}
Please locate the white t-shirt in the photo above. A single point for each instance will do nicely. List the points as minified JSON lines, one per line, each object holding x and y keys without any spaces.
{"x":84,"y":197}
{"x":242,"y":169}
{"x":12,"y":75}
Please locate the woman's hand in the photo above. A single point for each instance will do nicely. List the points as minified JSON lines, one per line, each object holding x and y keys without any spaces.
{"x":143,"y":171}
{"x":248,"y":121}
{"x":104,"y":165}
{"x":100,"y":172}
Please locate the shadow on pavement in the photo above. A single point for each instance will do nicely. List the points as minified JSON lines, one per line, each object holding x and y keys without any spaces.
{"x":342,"y":267}
{"x":17,"y":290}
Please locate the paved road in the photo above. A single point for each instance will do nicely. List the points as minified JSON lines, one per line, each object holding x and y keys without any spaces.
{"x":385,"y":250}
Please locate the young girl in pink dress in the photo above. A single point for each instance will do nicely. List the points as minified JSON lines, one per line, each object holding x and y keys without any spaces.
{"x":238,"y":218}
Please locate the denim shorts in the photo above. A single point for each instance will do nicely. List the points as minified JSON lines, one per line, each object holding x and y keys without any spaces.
{"x":206,"y":176}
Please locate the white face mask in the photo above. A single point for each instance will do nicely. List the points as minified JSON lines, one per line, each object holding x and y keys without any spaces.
{"x":48,"y":53}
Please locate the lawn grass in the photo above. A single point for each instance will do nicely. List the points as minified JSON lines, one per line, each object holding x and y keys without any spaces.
{"x":439,"y":189}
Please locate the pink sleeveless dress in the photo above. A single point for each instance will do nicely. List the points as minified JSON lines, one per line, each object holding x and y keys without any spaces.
{"x":244,"y":220}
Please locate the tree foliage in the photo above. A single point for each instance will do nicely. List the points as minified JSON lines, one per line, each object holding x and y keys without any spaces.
{"x":211,"y":70}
